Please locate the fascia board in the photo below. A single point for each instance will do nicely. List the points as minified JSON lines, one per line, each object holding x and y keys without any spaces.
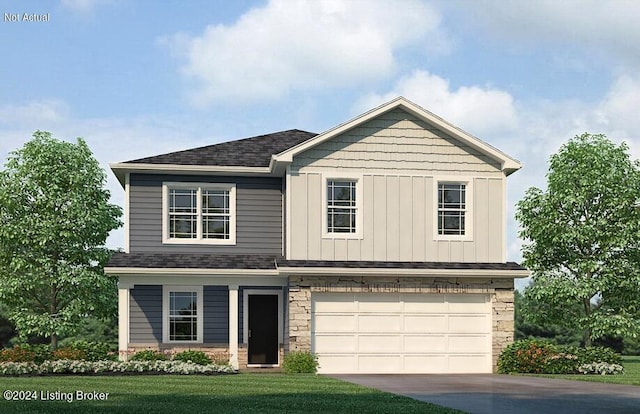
{"x":318,"y":271}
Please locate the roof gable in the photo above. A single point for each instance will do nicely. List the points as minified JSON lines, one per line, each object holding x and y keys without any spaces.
{"x":506,"y":163}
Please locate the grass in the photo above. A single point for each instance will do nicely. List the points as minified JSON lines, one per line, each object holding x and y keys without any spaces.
{"x":631,"y":374}
{"x":242,"y":393}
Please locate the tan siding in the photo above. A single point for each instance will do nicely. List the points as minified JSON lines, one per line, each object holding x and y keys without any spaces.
{"x":397,"y":142}
{"x":405,"y":217}
{"x":379,"y":217}
{"x":481,"y":220}
{"x":495,"y":233}
{"x":314,"y":216}
{"x":400,"y":159}
{"x":366,"y":247}
{"x":418,"y":217}
{"x":393,"y":205}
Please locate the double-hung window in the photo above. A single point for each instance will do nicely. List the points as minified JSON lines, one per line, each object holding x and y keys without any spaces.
{"x":452,"y":209}
{"x":199,"y":213}
{"x":182,"y":309}
{"x":342,"y":209}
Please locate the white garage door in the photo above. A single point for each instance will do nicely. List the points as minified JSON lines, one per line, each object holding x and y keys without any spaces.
{"x":401,"y":332}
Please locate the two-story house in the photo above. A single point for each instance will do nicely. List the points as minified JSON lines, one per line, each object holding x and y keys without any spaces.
{"x":379,"y":245}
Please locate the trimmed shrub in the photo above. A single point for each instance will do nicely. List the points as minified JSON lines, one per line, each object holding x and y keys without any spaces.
{"x":148,"y":355}
{"x":42,"y":352}
{"x":300,"y":363}
{"x":526,"y":356}
{"x":195,"y":357}
{"x":68,"y":353}
{"x":17,"y":354}
{"x":94,"y":351}
{"x":539,"y":357}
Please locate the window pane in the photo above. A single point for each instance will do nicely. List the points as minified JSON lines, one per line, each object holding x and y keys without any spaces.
{"x":182,"y":226}
{"x":341,"y":220}
{"x":451,"y":222}
{"x":215,"y":202}
{"x":215,"y":227}
{"x":182,"y":201}
{"x":183,"y":316}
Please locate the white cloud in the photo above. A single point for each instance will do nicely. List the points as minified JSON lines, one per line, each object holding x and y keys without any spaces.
{"x":290,"y":45}
{"x":478,"y":110}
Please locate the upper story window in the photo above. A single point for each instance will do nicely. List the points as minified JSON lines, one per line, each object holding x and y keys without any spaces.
{"x":452,"y":209}
{"x":199,"y":213}
{"x":343,"y":208}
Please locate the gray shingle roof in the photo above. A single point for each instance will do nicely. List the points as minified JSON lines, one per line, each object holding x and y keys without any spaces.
{"x":269,"y":262}
{"x":192,"y":261}
{"x":248,"y":152}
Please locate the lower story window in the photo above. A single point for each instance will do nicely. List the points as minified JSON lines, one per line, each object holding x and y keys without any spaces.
{"x":183,"y":314}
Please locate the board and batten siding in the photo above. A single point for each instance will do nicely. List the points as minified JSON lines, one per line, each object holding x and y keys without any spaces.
{"x":400,"y":159}
{"x":258,"y":215}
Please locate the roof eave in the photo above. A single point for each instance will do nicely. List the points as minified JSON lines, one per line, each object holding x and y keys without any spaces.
{"x":120,"y":170}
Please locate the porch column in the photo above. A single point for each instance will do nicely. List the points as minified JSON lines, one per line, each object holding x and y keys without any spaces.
{"x":233,"y":326}
{"x":123,"y":321}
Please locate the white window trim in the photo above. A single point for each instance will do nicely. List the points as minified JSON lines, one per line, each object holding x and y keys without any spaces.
{"x":199,"y":187}
{"x":326,"y":177}
{"x":165,"y":312}
{"x":469,"y":212}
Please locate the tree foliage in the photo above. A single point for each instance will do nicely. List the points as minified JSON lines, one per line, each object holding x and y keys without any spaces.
{"x":583,"y":238}
{"x":54,"y":221}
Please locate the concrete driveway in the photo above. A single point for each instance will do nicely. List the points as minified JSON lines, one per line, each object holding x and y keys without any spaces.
{"x":485,"y":393}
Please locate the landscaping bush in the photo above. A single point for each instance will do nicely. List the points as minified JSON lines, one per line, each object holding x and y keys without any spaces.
{"x":148,"y":355}
{"x":42,"y":352}
{"x":300,"y":363}
{"x":68,"y":353}
{"x":17,"y":354}
{"x":539,"y":357}
{"x":66,"y":366}
{"x":196,"y":357}
{"x":526,"y":356}
{"x":94,"y":351}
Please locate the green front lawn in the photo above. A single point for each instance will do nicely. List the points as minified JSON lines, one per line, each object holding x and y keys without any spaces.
{"x":242,"y":393}
{"x":631,"y":374}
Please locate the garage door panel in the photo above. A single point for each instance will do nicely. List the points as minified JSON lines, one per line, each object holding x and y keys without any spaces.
{"x":469,"y":323}
{"x":472,"y":364}
{"x":380,"y":344}
{"x":425,"y":323}
{"x":336,"y":343}
{"x":424,"y":303}
{"x":379,"y":363}
{"x":425,"y":343}
{"x":425,"y":364}
{"x":468,"y":343}
{"x":379,"y":323}
{"x":335,"y":323}
{"x":379,"y":303}
{"x":338,"y":363}
{"x":335,"y":302}
{"x":468,"y":303}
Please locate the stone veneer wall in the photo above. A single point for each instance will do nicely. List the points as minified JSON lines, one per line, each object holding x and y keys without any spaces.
{"x":301,"y":288}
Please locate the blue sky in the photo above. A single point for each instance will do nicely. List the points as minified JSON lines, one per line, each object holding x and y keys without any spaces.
{"x":137,"y":78}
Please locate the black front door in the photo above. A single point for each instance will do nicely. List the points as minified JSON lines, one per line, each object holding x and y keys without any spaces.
{"x":263,"y":329}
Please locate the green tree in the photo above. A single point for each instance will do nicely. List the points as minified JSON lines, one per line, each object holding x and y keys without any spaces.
{"x":583,"y":238}
{"x":54,"y":221}
{"x":527,"y":326}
